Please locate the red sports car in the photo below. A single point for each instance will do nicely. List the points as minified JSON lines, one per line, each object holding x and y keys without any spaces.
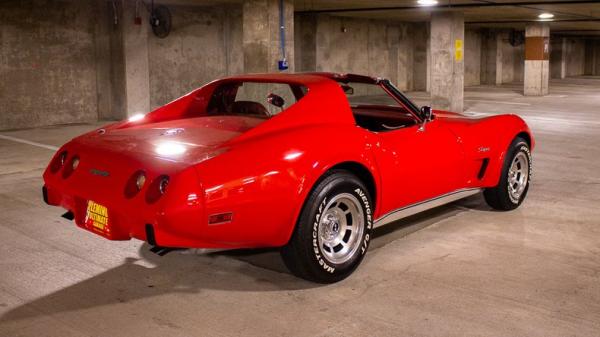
{"x":307,"y":162}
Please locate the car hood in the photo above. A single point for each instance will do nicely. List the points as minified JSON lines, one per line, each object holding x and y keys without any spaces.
{"x":184,"y":141}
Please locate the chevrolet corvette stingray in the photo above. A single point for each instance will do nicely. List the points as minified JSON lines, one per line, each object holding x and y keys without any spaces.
{"x":307,"y":162}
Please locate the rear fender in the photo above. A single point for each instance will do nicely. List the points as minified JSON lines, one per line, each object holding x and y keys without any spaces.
{"x":265,"y":181}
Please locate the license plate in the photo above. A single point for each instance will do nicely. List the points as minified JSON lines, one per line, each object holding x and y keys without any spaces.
{"x":96,"y":216}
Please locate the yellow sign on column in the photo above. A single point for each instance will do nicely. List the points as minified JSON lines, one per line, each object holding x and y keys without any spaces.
{"x":458,"y":50}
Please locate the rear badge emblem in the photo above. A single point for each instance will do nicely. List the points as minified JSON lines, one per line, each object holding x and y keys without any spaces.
{"x":101,"y":173}
{"x":484,"y":149}
{"x":171,"y":132}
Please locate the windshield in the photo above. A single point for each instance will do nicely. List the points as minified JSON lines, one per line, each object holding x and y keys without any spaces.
{"x":374,"y":107}
{"x":363,"y":93}
{"x":367,"y":94}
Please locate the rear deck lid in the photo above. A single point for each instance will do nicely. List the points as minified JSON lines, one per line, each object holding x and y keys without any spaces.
{"x":185,"y":141}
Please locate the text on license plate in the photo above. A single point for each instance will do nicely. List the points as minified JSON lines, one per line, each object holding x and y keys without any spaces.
{"x":96,"y":215}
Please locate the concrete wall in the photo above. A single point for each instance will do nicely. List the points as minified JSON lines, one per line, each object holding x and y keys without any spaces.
{"x":518,"y":63}
{"x":64,"y":61}
{"x":472,"y":57}
{"x":489,"y":54}
{"x":305,"y":46}
{"x":47,"y":63}
{"x":501,"y":62}
{"x":596,"y":58}
{"x":592,"y":57}
{"x":116,"y":102}
{"x":557,"y":56}
{"x":421,"y":59}
{"x":575,"y":60}
{"x":589,"y":68}
{"x":512,"y":58}
{"x":357,"y":46}
{"x":204,"y":44}
{"x":371,"y":47}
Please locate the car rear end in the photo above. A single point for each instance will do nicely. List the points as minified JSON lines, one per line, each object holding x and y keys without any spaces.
{"x":116,"y":189}
{"x":124,"y":184}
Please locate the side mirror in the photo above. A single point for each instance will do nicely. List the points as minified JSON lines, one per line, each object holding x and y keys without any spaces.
{"x":348,"y":90}
{"x":426,"y":113}
{"x":275,"y":100}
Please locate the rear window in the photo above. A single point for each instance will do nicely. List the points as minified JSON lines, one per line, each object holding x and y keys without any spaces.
{"x":255,"y":99}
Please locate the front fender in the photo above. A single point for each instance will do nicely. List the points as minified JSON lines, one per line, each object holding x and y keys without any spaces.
{"x":497,"y":133}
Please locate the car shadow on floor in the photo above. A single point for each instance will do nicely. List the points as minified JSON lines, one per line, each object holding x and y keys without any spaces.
{"x":193,"y":271}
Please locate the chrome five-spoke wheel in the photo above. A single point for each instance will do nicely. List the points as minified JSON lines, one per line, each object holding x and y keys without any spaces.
{"x":333,"y":231}
{"x":341,"y":228}
{"x":518,"y":176}
{"x":514,"y":182}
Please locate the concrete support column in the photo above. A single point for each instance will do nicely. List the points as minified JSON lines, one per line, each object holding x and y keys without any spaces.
{"x":558,"y":58}
{"x":135,"y":51}
{"x":447,"y":60}
{"x":537,"y":52}
{"x":261,"y":35}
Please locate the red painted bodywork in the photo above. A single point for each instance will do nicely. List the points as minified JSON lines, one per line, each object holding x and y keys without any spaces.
{"x":261,"y":171}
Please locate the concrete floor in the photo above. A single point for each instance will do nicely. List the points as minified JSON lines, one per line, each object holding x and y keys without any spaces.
{"x":459,"y":270}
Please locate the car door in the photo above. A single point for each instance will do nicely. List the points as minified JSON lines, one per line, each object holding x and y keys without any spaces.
{"x":416,"y":164}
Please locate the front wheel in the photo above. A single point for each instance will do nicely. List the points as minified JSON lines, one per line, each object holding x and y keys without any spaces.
{"x":514,"y":181}
{"x":333,"y":231}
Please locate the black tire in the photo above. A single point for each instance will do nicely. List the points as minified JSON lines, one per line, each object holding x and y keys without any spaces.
{"x":305,"y":255}
{"x":499,"y":197}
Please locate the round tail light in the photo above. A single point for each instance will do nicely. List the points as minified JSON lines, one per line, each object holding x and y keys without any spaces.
{"x":63,"y":158}
{"x":75,"y":163}
{"x":162,"y":185}
{"x":140,"y":180}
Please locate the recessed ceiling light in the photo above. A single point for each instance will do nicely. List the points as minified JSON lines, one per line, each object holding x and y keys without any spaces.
{"x":427,"y":2}
{"x":546,"y":16}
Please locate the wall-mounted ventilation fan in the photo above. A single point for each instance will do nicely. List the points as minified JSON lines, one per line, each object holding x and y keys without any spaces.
{"x":516,"y":38}
{"x":160,"y":21}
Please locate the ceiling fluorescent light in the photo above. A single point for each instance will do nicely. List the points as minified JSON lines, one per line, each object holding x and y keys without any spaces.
{"x":546,"y":16}
{"x":427,"y":2}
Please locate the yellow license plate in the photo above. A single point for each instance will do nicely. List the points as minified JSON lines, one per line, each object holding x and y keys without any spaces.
{"x":96,"y":215}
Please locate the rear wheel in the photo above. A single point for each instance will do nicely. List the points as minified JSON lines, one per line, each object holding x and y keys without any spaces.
{"x":333,"y":230}
{"x":514,"y":181}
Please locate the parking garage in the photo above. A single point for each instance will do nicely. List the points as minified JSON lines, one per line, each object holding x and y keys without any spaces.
{"x":461,"y":269}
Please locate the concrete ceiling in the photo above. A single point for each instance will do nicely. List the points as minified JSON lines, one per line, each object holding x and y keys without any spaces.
{"x":570,"y":16}
{"x":576,"y":17}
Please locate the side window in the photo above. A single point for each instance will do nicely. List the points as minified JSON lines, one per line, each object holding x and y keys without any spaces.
{"x":374,"y":109}
{"x":258,"y":93}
